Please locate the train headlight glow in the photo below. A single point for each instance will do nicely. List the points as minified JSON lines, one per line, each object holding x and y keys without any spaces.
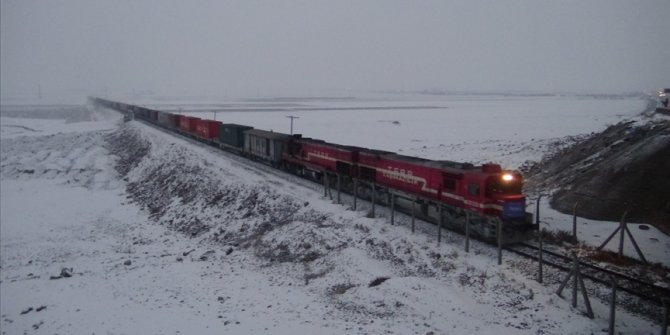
{"x":507,"y":177}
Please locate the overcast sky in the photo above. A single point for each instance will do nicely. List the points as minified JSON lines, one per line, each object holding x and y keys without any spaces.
{"x":265,"y":48}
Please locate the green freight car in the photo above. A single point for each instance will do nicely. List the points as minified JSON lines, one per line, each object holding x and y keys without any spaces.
{"x":232,"y":135}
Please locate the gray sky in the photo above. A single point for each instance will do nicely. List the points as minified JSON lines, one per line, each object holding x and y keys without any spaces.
{"x":251,"y":48}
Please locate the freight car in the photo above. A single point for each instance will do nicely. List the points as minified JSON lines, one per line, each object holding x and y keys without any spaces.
{"x":266,"y":146}
{"x":485,"y":194}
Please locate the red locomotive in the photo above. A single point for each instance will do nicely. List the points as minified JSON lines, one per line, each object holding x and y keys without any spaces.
{"x":485,"y":191}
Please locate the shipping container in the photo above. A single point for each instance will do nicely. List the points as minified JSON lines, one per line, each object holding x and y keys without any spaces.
{"x":188,"y":123}
{"x":140,"y":112}
{"x":265,"y":145}
{"x":232,"y":134}
{"x":208,"y":129}
{"x":183,"y":122}
{"x":173,"y":120}
{"x":168,"y":119}
{"x":192,"y":124}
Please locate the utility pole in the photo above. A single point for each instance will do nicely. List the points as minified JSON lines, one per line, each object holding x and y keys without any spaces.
{"x":39,"y":91}
{"x":292,"y":117}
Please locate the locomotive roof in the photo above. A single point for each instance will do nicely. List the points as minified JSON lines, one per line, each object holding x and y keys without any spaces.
{"x":431,"y":163}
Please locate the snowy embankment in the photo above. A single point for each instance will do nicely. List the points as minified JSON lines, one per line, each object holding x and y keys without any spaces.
{"x":163,"y":235}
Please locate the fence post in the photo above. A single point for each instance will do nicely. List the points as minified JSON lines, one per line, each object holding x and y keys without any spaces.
{"x":576,"y":275}
{"x":467,"y":231}
{"x":622,"y":226}
{"x":355,"y":192}
{"x":413,"y":215}
{"x":339,"y":188}
{"x":637,"y":248}
{"x":374,"y":198}
{"x":325,"y":184}
{"x":612,"y":306}
{"x":575,"y":280}
{"x":439,"y":226}
{"x":622,"y":230}
{"x":664,"y":330}
{"x":540,"y":275}
{"x":499,"y":230}
{"x":574,"y":221}
{"x":392,"y":208}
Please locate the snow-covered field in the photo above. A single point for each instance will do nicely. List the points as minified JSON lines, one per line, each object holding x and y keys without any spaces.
{"x":151,"y":253}
{"x":505,"y":129}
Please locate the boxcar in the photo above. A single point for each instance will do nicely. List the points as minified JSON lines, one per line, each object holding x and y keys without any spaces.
{"x":264,"y":145}
{"x":164,"y":119}
{"x":173,"y":120}
{"x":207,"y":129}
{"x":188,"y":123}
{"x":233,"y":134}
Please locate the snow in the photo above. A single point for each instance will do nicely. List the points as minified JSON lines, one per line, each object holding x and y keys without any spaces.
{"x":65,"y":206}
{"x":505,"y":129}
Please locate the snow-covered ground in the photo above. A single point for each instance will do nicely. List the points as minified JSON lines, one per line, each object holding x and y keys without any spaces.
{"x":270,"y":256}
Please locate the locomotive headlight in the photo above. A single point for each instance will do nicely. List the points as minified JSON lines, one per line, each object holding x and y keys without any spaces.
{"x":507,"y":177}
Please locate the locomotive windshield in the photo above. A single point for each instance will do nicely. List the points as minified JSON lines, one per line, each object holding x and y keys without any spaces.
{"x":505,"y":184}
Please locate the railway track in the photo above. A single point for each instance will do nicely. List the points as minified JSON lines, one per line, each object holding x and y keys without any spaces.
{"x":626,"y":283}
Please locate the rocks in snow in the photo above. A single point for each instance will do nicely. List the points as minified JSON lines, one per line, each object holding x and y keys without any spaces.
{"x":64,"y":273}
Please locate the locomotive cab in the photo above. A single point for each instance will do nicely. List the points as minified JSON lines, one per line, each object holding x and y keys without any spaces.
{"x":505,"y":190}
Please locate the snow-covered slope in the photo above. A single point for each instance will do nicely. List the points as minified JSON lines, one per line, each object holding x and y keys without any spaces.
{"x":164,"y":235}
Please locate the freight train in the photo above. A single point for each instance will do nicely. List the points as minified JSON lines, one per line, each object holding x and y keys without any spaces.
{"x":491,"y":197}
